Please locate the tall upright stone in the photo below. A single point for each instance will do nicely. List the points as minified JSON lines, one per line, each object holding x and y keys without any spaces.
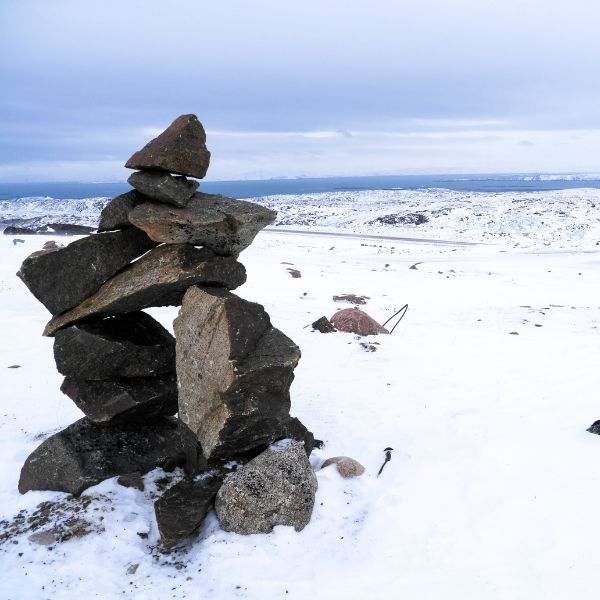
{"x":234,"y":371}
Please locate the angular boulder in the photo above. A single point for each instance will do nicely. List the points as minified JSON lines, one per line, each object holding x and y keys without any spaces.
{"x":276,"y":488}
{"x":114,"y":214}
{"x":123,"y":400}
{"x":180,"y":149}
{"x":234,"y":371}
{"x":85,"y":454}
{"x":131,"y":345}
{"x":160,"y":278}
{"x":182,"y":508}
{"x":354,"y":320}
{"x":224,"y":225}
{"x":164,"y":187}
{"x":61,"y":278}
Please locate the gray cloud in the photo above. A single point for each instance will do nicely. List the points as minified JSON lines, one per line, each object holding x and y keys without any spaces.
{"x":84,"y":82}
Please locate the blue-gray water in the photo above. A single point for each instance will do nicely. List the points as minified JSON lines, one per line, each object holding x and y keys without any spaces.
{"x":250,"y":189}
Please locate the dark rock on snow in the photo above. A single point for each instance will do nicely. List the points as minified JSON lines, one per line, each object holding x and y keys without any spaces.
{"x":131,"y":345}
{"x":85,"y":454}
{"x":123,"y":400}
{"x":158,"y":279}
{"x":182,"y":508}
{"x":234,"y":371}
{"x":594,"y":428}
{"x":114,"y":214}
{"x":354,"y":320}
{"x":224,"y":225}
{"x":55,"y":228}
{"x":276,"y":488}
{"x":180,"y":149}
{"x":323,"y":325}
{"x":62,"y":278}
{"x":164,"y":187}
{"x":351,"y":298}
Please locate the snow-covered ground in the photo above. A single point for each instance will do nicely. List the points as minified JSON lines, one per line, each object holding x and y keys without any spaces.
{"x":493,"y":487}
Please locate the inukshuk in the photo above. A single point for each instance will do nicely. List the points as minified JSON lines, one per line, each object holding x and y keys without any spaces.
{"x":227,"y":373}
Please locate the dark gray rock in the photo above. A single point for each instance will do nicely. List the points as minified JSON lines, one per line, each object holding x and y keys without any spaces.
{"x":85,"y":454}
{"x":276,"y":488}
{"x":114,"y":214}
{"x":123,"y":400}
{"x":224,"y":225}
{"x":181,"y":509}
{"x":295,"y":430}
{"x":180,"y":149}
{"x":594,"y":428}
{"x":158,"y":279}
{"x":234,"y":371}
{"x":164,"y":187}
{"x":323,"y":325}
{"x":131,"y":345}
{"x":61,"y":278}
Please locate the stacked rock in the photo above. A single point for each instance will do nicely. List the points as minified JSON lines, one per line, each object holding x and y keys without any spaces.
{"x":227,"y":373}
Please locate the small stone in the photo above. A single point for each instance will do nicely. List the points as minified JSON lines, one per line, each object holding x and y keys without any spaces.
{"x":85,"y":454}
{"x":164,"y":187}
{"x":52,"y":245}
{"x":295,"y":274}
{"x":131,"y":570}
{"x":224,"y":225}
{"x":354,"y":320}
{"x":594,"y":428}
{"x":114,"y":214}
{"x":181,"y":509}
{"x":14,"y":366}
{"x":113,"y":401}
{"x":160,"y":278}
{"x":323,"y":325}
{"x":44,"y":538}
{"x":276,"y":488}
{"x":180,"y":149}
{"x":347,"y":467}
{"x":131,"y":345}
{"x":62,"y":278}
{"x":352,"y":298}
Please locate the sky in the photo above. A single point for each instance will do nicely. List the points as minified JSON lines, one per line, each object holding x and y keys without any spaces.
{"x":292,"y":89}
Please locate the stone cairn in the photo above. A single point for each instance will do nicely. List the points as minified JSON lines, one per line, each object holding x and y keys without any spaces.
{"x":227,"y":372}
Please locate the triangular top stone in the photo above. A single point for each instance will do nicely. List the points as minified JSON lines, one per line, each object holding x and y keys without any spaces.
{"x":180,"y":149}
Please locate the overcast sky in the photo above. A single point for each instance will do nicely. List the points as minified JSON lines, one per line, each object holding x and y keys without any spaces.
{"x":311,"y":88}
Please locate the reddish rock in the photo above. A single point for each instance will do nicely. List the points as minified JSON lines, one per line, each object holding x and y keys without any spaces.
{"x":354,"y":320}
{"x":180,"y":149}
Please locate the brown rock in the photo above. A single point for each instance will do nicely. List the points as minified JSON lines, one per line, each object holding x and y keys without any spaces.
{"x":160,"y":278}
{"x":180,"y":149}
{"x":61,"y":278}
{"x":234,"y":371}
{"x":354,"y":320}
{"x":224,"y":225}
{"x":347,"y":467}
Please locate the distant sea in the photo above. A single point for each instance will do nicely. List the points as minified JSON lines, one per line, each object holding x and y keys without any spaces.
{"x":266,"y":187}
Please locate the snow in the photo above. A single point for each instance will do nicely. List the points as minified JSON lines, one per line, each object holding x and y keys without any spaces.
{"x":493,"y":486}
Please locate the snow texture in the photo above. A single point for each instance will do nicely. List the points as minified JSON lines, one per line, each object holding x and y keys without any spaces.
{"x":493,"y":485}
